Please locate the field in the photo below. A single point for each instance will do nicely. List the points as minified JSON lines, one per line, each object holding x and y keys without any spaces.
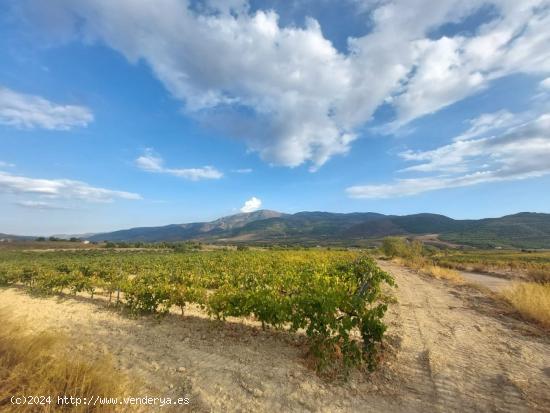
{"x":266,"y":329}
{"x":529,"y":295}
{"x":334,"y":296}
{"x":530,"y":265}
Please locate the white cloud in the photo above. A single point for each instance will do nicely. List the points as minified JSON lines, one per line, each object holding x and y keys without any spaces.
{"x":196,"y":174}
{"x":304,"y":99}
{"x":242,"y":171}
{"x":520,"y":152}
{"x":60,"y":188}
{"x":253,"y":204}
{"x":151,"y":162}
{"x":451,"y":158}
{"x":545,"y":84}
{"x":449,"y":69}
{"x":489,"y":122}
{"x":6,"y":165}
{"x":28,"y":112}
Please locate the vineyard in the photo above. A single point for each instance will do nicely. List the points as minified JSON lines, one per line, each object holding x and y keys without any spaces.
{"x":336,"y":297}
{"x":533,"y":265}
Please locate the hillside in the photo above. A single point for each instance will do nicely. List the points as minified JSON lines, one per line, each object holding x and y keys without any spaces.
{"x":10,"y":237}
{"x":523,"y":230}
{"x":181,"y":232}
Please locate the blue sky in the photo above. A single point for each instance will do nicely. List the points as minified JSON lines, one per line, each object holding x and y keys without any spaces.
{"x":136,"y":113}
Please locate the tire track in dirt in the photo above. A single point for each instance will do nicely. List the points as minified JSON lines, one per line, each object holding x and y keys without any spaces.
{"x":459,"y":360}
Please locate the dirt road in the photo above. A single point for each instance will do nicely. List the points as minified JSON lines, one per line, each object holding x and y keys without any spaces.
{"x":459,"y":352}
{"x":452,"y":351}
{"x":493,"y":283}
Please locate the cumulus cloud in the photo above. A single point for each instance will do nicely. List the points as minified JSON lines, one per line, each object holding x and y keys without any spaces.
{"x":60,"y":188}
{"x":29,"y":112}
{"x":520,"y":152}
{"x":242,"y":171}
{"x":253,"y":204}
{"x":545,"y":84}
{"x":304,"y":99}
{"x":448,"y":69}
{"x":152,"y":162}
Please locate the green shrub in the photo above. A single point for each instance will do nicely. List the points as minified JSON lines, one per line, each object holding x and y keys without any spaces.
{"x":147,"y":294}
{"x":394,"y":247}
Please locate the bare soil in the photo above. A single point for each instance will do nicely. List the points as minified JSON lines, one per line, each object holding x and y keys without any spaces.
{"x":493,"y":283}
{"x":463,"y":351}
{"x":450,"y":349}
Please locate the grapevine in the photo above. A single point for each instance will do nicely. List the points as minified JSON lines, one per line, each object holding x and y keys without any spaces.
{"x":335,"y":297}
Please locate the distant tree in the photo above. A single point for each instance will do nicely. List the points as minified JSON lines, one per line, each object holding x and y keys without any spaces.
{"x":41,"y":239}
{"x":180,"y":247}
{"x":74,"y":239}
{"x":391,"y":246}
{"x":400,"y":247}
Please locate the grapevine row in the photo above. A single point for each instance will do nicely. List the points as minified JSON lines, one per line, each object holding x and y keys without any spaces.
{"x":327,"y":294}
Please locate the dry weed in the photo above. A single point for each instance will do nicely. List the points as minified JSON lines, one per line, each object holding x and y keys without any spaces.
{"x":531,"y":300}
{"x":428,"y":268}
{"x":442,"y":273}
{"x":539,"y":274}
{"x":37,"y":364}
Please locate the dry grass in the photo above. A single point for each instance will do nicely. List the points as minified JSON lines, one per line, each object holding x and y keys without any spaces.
{"x":531,"y":300}
{"x":539,"y":274}
{"x":426,"y":267}
{"x":38,"y":364}
{"x":533,"y":265}
{"x":442,"y":273}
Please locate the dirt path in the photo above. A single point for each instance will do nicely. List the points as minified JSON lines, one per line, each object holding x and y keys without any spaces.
{"x":493,"y":283}
{"x":460,"y":353}
{"x":452,"y":353}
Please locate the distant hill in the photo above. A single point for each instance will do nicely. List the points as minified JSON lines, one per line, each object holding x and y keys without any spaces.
{"x":69,"y":236}
{"x":181,"y":232}
{"x":9,"y":237}
{"x":523,"y":230}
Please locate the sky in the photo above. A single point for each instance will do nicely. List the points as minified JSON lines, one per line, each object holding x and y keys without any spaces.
{"x":116,"y":114}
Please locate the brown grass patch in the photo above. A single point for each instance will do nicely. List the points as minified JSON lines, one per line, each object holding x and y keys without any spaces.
{"x":37,"y":364}
{"x":539,"y":274}
{"x":531,"y":300}
{"x":426,"y":267}
{"x":442,"y":273}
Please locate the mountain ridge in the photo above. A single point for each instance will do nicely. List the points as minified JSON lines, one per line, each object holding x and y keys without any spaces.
{"x":185,"y":231}
{"x":520,"y":230}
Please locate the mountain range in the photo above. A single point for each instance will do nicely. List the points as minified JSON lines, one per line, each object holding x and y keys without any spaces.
{"x":522,"y":230}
